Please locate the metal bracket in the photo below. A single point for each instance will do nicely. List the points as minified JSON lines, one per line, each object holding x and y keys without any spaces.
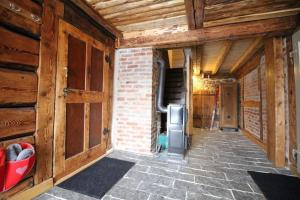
{"x":106,"y":131}
{"x":295,"y":153}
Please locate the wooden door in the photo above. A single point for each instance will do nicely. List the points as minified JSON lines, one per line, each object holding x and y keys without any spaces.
{"x":204,"y":105}
{"x":81,"y":109}
{"x":228,"y":105}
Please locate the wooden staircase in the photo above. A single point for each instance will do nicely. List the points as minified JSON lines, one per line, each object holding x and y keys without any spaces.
{"x":174,"y":91}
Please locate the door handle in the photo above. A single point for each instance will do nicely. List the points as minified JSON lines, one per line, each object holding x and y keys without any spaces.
{"x":66,"y":91}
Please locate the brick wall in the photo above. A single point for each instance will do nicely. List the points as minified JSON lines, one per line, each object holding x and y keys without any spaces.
{"x":252,"y":94}
{"x":263,"y":97}
{"x":134,"y":118}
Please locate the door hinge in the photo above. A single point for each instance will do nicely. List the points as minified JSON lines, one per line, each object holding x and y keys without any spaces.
{"x":108,"y":59}
{"x":106,"y":131}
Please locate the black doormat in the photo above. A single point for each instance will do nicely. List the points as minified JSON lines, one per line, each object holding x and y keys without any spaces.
{"x":276,"y":186}
{"x":97,"y":179}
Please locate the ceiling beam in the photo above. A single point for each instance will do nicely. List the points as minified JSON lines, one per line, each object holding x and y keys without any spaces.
{"x":97,"y":17}
{"x":195,"y":13}
{"x":222,"y":55}
{"x":189,"y":7}
{"x":196,"y":60}
{"x":199,"y":13}
{"x":247,"y":54}
{"x":268,"y":27}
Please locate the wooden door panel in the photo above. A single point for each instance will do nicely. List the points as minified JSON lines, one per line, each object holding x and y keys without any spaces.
{"x":76,"y":63}
{"x":82,"y":89}
{"x":74,"y":129}
{"x":96,"y":83}
{"x":95,"y":124}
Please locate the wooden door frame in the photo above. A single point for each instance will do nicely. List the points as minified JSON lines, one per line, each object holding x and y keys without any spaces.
{"x":61,"y":166}
{"x":296,"y":51}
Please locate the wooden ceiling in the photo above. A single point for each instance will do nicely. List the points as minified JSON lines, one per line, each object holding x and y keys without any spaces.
{"x":225,"y":56}
{"x":138,"y":15}
{"x":132,"y":15}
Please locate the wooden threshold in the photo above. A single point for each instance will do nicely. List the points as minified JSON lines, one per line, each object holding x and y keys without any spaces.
{"x":252,"y":138}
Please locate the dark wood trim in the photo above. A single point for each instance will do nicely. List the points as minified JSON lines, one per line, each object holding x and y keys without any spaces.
{"x":106,"y":27}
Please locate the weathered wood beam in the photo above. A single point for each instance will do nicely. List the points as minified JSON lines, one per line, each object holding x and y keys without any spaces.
{"x":195,"y":13}
{"x":197,"y":53}
{"x":222,"y":55}
{"x":250,"y":65}
{"x":275,"y":101}
{"x":247,"y":54}
{"x":46,"y":91}
{"x":199,"y":13}
{"x":189,"y":7}
{"x":97,"y":17}
{"x":268,"y":27}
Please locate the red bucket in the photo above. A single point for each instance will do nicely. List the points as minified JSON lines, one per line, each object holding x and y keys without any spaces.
{"x":2,"y":168}
{"x":17,"y":170}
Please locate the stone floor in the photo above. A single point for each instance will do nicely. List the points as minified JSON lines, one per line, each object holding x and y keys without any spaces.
{"x":215,"y":168}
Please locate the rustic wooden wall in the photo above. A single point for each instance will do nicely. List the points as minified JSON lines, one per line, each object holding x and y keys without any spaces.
{"x":28,"y":51}
{"x":19,"y":66}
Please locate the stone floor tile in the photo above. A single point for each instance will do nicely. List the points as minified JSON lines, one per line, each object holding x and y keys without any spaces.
{"x":127,"y":194}
{"x":238,"y":195}
{"x":150,"y":178}
{"x":223,"y":183}
{"x":68,"y":194}
{"x":199,"y":172}
{"x":172,"y":174}
{"x":197,"y":196}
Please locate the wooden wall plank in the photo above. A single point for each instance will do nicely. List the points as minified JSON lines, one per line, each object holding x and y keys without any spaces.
{"x":15,"y":121}
{"x":15,"y":48}
{"x":46,"y":90}
{"x":29,"y":139}
{"x":18,"y":87}
{"x":275,"y":101}
{"x":10,"y":18}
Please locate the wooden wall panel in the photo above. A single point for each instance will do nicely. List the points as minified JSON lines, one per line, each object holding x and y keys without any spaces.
{"x":275,"y":101}
{"x":16,"y":48}
{"x":17,"y":87}
{"x":15,"y":121}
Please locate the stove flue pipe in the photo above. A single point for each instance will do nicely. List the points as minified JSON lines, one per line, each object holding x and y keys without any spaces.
{"x":161,"y":86}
